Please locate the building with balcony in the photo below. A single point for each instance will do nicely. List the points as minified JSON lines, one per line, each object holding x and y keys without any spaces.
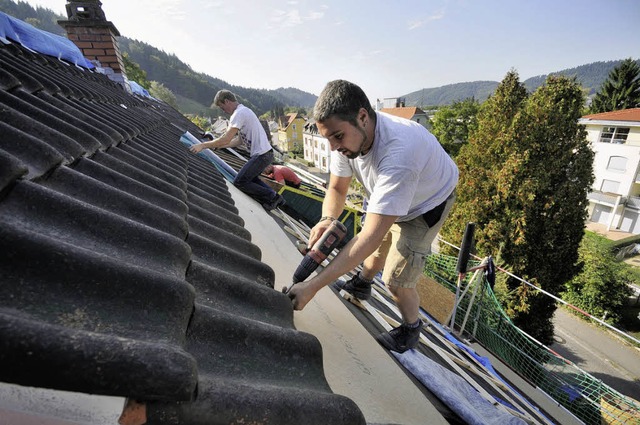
{"x":615,"y":198}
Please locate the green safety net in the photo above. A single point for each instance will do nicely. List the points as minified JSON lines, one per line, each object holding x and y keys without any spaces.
{"x":585,"y":396}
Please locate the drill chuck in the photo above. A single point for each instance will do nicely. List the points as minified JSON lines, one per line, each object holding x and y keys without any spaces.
{"x":306,"y":267}
{"x":330,"y":239}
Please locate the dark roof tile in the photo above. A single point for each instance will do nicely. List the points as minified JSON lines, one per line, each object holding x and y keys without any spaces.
{"x":27,"y":156}
{"x":126,"y":269}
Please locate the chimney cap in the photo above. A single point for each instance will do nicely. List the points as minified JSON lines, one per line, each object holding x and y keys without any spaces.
{"x":85,"y":10}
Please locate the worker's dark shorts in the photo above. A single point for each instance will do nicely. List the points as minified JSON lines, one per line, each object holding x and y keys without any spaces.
{"x":407,"y":245}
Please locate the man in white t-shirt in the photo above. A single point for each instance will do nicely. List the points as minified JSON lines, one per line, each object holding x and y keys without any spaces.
{"x":245,"y":128}
{"x":409,"y":181}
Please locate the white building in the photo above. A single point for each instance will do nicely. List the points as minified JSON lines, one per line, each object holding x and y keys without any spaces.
{"x":316,"y":147}
{"x":412,"y":113}
{"x":615,"y":199}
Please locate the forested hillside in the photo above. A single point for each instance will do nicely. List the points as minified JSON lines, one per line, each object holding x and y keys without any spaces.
{"x":183,"y":81}
{"x":194,"y":91}
{"x":39,"y":17}
{"x":590,"y":76}
{"x":450,"y":93}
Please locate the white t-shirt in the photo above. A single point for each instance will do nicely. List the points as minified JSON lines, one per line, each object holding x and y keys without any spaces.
{"x":406,"y":172}
{"x":250,"y":130}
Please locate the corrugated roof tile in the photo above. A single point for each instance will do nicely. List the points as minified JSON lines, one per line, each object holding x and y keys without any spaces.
{"x":126,"y":269}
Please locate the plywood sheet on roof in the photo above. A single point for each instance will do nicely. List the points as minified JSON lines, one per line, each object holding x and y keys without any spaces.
{"x":355,"y":365}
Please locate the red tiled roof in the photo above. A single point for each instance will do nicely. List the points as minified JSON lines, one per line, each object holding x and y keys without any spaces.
{"x":632,"y":114}
{"x":403,"y":112}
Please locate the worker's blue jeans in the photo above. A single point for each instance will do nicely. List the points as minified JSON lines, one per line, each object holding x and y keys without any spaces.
{"x":248,"y":179}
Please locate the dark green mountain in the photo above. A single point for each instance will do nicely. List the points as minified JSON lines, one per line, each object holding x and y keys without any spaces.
{"x":590,"y":76}
{"x":450,"y":93}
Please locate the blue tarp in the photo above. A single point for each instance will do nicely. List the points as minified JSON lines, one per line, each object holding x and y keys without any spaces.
{"x":228,"y":172}
{"x":138,"y":89}
{"x":41,"y":41}
{"x":455,"y":392}
{"x":482,"y":360}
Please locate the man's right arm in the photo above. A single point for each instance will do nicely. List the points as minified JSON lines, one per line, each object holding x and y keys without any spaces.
{"x":332,"y":205}
{"x":228,"y":139}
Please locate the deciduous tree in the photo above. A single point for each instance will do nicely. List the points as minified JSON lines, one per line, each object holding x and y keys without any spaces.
{"x":601,"y":286}
{"x":134,"y":72}
{"x":159,"y":91}
{"x":451,"y":124}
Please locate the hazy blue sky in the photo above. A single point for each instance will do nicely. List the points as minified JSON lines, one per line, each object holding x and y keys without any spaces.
{"x":390,"y":48}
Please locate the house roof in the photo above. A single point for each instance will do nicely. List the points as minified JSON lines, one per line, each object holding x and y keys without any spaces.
{"x":126,"y":269}
{"x":287,"y":120}
{"x":407,"y":112}
{"x":632,"y":114}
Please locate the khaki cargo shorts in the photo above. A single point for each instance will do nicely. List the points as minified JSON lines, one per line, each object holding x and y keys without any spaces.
{"x":406,"y":247}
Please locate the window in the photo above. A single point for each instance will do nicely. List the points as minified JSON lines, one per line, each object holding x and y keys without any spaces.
{"x":617,"y":163}
{"x":614,"y":135}
{"x":610,"y":186}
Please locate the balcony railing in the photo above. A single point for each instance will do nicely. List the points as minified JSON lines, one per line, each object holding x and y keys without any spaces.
{"x":633,"y":202}
{"x":604,"y":197}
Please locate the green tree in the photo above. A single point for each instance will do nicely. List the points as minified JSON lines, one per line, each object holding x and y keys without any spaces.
{"x":159,"y":91}
{"x":134,"y":72}
{"x":621,"y":89}
{"x":601,"y":287}
{"x":451,"y":124}
{"x":526,"y":173}
{"x":480,"y":162}
{"x":202,"y":122}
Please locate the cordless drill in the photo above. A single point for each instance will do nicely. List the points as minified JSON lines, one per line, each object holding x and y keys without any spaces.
{"x":330,"y":239}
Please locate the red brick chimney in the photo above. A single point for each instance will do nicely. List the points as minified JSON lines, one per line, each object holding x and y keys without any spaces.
{"x":89,"y":29}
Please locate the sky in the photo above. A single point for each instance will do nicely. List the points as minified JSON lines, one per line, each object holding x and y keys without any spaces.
{"x":389,"y":48}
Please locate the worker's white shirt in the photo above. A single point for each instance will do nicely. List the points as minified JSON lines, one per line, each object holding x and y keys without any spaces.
{"x":250,"y":130}
{"x":406,"y":173}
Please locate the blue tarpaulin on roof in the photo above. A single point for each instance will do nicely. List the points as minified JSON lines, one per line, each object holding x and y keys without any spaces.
{"x":41,"y":41}
{"x":455,"y":392}
{"x":228,"y":172}
{"x":138,"y":89}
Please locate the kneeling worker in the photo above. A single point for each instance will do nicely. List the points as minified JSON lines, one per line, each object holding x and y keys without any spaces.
{"x":283,"y":175}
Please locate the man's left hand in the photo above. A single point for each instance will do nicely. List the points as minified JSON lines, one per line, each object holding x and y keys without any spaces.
{"x":300,"y":294}
{"x":196,"y":148}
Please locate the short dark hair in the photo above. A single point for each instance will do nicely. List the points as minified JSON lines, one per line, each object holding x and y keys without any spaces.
{"x":343,"y":100}
{"x":223,"y":95}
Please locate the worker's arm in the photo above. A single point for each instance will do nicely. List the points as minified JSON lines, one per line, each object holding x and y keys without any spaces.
{"x":332,"y":206}
{"x":228,"y":139}
{"x":360,"y":247}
